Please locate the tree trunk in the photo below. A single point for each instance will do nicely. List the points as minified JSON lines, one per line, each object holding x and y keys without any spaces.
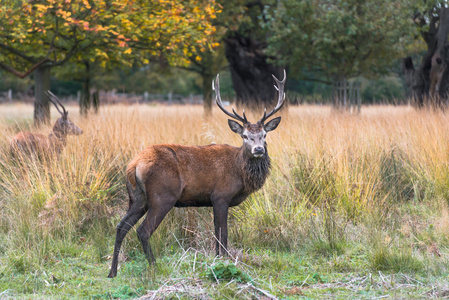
{"x":251,"y":72}
{"x":207,"y":92}
{"x":96,"y":101}
{"x":41,"y":103}
{"x":430,"y":82}
{"x":85,"y":94}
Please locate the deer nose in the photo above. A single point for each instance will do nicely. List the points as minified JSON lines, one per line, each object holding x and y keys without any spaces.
{"x":258,"y":150}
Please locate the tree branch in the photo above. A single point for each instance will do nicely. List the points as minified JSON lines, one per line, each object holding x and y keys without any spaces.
{"x":18,"y":53}
{"x":22,"y":75}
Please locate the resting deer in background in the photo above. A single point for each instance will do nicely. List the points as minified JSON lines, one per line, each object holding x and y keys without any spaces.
{"x":33,"y":143}
{"x":165,"y":176}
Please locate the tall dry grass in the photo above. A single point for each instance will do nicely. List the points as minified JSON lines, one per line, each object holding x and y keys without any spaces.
{"x":336,"y":179}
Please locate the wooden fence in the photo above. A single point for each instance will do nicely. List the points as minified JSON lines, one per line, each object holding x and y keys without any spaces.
{"x":346,"y":96}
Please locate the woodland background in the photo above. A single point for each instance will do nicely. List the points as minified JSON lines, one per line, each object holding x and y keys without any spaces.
{"x":396,"y":49}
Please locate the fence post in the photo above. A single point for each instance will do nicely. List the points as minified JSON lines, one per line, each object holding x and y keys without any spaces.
{"x":351,"y":96}
{"x":333,"y":99}
{"x":345,"y":94}
{"x":359,"y":98}
{"x":340,"y":95}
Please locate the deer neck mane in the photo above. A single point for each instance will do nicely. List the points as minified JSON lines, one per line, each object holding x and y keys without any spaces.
{"x":58,"y":140}
{"x":254,"y":170}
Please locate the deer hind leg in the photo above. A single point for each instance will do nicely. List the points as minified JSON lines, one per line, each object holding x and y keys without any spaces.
{"x":128,"y":221}
{"x":154,"y":217}
{"x":135,"y":212}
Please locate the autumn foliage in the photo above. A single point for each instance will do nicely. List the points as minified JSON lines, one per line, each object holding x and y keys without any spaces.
{"x":56,"y":31}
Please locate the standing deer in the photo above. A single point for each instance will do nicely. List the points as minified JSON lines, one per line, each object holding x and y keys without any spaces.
{"x":33,"y":143}
{"x":165,"y":176}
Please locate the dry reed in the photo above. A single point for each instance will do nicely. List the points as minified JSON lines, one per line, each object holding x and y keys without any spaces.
{"x":331,"y":173}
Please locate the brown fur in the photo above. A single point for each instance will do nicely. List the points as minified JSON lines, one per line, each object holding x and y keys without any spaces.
{"x":196,"y":170}
{"x":28,"y":144}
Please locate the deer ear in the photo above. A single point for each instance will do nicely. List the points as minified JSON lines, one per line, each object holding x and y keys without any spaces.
{"x":273,"y":124}
{"x":236,"y":127}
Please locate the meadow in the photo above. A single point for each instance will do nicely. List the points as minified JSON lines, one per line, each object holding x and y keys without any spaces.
{"x":356,"y":206}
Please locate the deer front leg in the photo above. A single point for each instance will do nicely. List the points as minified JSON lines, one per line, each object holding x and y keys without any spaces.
{"x":221,"y":227}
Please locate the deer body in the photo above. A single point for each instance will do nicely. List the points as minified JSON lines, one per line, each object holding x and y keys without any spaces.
{"x":191,"y":173}
{"x":29,"y":143}
{"x":165,"y":176}
{"x":33,"y":143}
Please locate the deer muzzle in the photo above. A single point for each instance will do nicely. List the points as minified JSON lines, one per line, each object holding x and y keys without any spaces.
{"x":258,"y":151}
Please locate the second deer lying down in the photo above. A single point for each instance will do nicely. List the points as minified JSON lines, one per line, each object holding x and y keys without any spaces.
{"x":165,"y":176}
{"x":37,"y":144}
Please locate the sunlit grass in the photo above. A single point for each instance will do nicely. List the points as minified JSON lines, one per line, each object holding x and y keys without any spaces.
{"x":358,"y":193}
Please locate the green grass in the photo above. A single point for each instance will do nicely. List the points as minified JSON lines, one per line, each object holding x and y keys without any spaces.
{"x":189,"y":274}
{"x":355,"y":207}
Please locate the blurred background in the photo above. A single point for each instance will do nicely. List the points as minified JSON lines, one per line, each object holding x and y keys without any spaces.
{"x":343,"y":53}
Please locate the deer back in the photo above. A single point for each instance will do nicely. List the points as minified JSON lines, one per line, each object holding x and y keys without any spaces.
{"x":29,"y":143}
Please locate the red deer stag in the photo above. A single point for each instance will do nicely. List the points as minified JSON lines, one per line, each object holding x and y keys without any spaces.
{"x":32,"y":143}
{"x":165,"y":176}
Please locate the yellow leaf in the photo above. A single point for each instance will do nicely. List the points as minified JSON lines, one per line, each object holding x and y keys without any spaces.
{"x":128,"y":51}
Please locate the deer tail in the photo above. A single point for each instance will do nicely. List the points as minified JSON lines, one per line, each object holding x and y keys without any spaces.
{"x":131,"y":175}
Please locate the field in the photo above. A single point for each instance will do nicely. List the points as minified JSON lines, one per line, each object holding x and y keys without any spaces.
{"x":355,"y":207}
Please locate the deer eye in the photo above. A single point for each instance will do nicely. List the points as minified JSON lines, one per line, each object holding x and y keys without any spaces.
{"x":245,"y":136}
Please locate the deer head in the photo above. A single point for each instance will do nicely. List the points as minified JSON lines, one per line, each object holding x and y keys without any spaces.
{"x":253,"y":135}
{"x":63,"y":125}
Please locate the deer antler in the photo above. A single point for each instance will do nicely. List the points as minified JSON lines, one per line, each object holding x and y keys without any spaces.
{"x":52,"y":99}
{"x":234,"y":115}
{"x":281,"y":98}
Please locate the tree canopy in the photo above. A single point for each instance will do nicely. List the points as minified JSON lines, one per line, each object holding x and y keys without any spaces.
{"x":316,"y":40}
{"x":55,"y":31}
{"x":340,"y":38}
{"x":35,"y":34}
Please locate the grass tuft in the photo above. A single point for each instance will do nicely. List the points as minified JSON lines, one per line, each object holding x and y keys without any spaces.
{"x":398,"y":261}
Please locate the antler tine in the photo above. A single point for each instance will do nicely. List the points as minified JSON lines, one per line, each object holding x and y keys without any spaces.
{"x":216,"y":88}
{"x":264,"y":116}
{"x":63,"y":107}
{"x":280,"y":88}
{"x":240,"y":117}
{"x":52,"y":97}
